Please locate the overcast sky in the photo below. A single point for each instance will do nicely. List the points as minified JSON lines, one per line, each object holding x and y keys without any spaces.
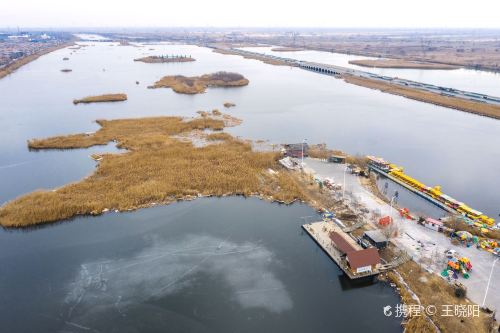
{"x":253,"y":13}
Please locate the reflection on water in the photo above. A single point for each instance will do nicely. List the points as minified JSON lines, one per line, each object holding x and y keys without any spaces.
{"x":348,"y":284}
{"x":164,"y":268}
{"x":47,"y":169}
{"x":405,"y":198}
{"x":209,"y":265}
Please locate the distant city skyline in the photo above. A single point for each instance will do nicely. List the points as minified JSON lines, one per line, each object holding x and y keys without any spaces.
{"x":257,"y":13}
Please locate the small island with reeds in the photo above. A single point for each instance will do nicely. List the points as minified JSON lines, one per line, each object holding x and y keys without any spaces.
{"x":165,"y":58}
{"x":101,"y":99}
{"x":158,"y":168}
{"x":198,"y":84}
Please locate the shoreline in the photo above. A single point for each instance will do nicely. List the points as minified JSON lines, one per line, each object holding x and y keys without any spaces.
{"x":309,"y":201}
{"x":174,"y":170}
{"x":254,"y":57}
{"x":11,"y":68}
{"x":309,"y":191}
{"x":477,"y":67}
{"x":415,"y":283}
{"x":199,"y":84}
{"x":452,"y":102}
{"x":401,"y":64}
{"x":120,"y":97}
{"x":286,"y":49}
{"x":481,"y":109}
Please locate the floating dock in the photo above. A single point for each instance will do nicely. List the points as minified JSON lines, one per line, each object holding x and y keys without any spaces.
{"x":320,"y":232}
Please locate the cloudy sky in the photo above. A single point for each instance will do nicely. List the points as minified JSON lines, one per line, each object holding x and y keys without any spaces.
{"x":255,"y":13}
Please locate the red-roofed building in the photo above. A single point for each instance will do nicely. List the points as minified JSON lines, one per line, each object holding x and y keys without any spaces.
{"x":363,"y":261}
{"x":341,"y":243}
{"x":358,"y":260}
{"x":385,"y":221}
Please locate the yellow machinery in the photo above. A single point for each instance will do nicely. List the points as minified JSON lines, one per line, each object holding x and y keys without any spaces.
{"x":475,"y":215}
{"x":437,"y":194}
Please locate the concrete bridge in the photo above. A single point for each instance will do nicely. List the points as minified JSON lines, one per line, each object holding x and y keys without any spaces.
{"x":324,"y":68}
{"x":311,"y":66}
{"x":333,"y":70}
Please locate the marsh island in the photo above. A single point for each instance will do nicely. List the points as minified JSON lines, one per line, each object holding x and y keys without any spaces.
{"x":198,"y":84}
{"x":101,"y":98}
{"x":164,"y":59}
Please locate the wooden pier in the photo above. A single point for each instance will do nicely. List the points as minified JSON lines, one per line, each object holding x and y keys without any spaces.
{"x":320,"y":232}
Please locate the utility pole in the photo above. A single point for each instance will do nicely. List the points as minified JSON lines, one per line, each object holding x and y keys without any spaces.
{"x":343,"y":187}
{"x":302,"y":163}
{"x":390,"y":204}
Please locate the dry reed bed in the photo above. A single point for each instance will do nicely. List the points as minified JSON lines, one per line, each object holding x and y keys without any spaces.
{"x":101,"y":99}
{"x":483,"y":109}
{"x":222,"y":136}
{"x":321,"y":151}
{"x":431,"y":289}
{"x":156,"y":169}
{"x":400,"y":63}
{"x":198,"y":84}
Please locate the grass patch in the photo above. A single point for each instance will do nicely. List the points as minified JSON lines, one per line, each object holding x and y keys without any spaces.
{"x":101,"y":99}
{"x":156,"y":169}
{"x":219,"y":137}
{"x":420,"y":324}
{"x":433,"y":290}
{"x":198,"y":84}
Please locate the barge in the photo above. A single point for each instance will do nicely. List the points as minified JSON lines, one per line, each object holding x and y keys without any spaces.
{"x":432,"y":194}
{"x":351,"y":258}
